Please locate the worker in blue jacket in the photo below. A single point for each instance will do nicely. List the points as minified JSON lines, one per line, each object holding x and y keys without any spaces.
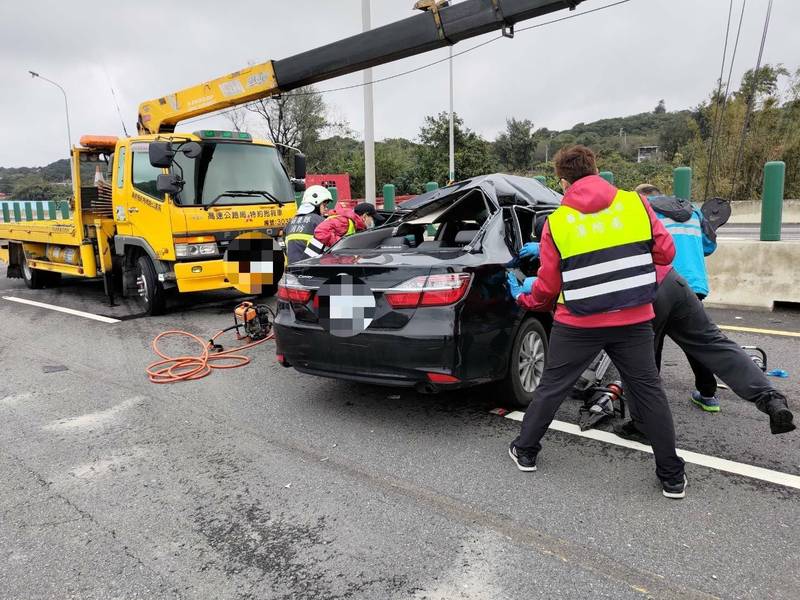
{"x":694,"y":240}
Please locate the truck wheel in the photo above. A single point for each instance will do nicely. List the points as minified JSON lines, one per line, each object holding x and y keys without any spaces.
{"x":526,"y":363}
{"x":37,"y":279}
{"x":150,"y":293}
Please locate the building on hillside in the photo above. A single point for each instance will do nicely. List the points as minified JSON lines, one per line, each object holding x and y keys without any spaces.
{"x":647,"y":153}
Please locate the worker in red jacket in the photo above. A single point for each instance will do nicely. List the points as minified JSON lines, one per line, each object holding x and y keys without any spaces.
{"x":598,"y":254}
{"x":338,"y":224}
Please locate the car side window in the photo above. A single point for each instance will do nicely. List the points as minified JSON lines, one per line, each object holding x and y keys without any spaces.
{"x":144,"y":175}
{"x":121,"y":167}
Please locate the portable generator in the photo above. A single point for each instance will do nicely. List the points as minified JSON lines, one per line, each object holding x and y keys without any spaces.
{"x":252,"y":321}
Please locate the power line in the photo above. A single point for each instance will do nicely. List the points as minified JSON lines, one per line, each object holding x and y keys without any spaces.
{"x":718,"y":122}
{"x":719,"y":92}
{"x":414,"y":70}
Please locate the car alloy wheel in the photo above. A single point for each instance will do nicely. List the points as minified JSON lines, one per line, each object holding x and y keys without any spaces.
{"x":531,"y":360}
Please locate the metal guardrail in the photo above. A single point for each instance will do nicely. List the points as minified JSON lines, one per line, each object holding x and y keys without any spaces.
{"x":23,"y":210}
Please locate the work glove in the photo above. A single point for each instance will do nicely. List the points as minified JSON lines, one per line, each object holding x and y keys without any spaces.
{"x":527,"y":285}
{"x":530,"y":250}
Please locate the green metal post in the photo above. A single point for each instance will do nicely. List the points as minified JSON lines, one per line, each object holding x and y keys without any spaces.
{"x":298,"y":198}
{"x":541,"y":179}
{"x":608,"y":176}
{"x":772,"y":201}
{"x":64,"y":210}
{"x":28,"y":212}
{"x":388,"y":196}
{"x":682,"y":182}
{"x":334,"y":197}
{"x":51,"y":210}
{"x":6,"y":214}
{"x":17,"y":214}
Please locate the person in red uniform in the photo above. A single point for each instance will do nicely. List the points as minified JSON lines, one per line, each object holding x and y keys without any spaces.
{"x":598,"y":254}
{"x":338,"y":224}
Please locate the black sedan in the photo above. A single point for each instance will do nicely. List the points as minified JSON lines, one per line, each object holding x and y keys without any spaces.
{"x":422,"y":301}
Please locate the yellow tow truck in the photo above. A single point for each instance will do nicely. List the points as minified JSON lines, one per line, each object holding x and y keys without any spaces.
{"x":162,"y":210}
{"x":172,"y":207}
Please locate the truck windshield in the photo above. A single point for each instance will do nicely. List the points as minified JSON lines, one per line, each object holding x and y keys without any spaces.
{"x":230,"y":167}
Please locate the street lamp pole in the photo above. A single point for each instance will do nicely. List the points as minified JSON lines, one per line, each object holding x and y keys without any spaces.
{"x":66,"y":108}
{"x":452,"y":175}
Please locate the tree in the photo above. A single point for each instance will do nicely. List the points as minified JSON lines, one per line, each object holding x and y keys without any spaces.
{"x":660,"y":108}
{"x":515,"y":147}
{"x":294,"y":119}
{"x":34,"y":187}
{"x":473,"y":154}
{"x":675,"y":134}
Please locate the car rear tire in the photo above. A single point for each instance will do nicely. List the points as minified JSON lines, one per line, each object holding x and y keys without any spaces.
{"x":526,"y":363}
{"x":150,"y":293}
{"x":37,"y":279}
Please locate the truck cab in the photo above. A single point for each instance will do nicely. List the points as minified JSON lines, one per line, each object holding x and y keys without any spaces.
{"x":203,"y":197}
{"x":157,"y":213}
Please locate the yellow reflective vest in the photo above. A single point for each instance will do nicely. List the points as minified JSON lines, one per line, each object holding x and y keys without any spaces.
{"x":606,"y":257}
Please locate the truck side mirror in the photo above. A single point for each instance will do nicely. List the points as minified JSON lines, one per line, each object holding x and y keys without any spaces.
{"x":299,"y":166}
{"x":161,"y":154}
{"x":169,"y":184}
{"x":191,"y":149}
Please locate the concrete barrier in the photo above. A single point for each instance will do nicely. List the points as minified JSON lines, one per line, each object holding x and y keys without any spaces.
{"x":750,"y":211}
{"x":750,"y":273}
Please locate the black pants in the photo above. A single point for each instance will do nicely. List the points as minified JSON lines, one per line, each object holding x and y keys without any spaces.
{"x":631,"y":349}
{"x":681,"y":316}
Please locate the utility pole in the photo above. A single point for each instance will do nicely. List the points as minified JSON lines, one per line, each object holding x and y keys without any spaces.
{"x":369,"y":121}
{"x":452,"y":175}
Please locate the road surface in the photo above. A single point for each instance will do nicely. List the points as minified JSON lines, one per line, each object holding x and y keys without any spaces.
{"x":262,"y":482}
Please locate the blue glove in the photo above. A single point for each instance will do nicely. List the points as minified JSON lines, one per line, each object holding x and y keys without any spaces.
{"x":530,"y":250}
{"x":514,"y":285}
{"x":527,"y":285}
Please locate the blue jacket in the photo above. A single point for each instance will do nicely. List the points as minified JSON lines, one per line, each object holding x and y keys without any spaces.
{"x":694,"y":239}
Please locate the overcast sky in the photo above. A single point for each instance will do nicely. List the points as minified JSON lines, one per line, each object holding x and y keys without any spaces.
{"x":611,"y":63}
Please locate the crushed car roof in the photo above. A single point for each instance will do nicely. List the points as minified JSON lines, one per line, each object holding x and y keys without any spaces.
{"x":502,"y":188}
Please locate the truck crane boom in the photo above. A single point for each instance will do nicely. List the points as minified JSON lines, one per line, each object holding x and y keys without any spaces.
{"x":438,"y":27}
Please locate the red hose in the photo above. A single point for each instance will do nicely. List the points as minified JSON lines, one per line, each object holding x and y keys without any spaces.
{"x":171,"y":369}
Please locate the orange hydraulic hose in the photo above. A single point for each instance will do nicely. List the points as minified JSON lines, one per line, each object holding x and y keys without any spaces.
{"x":171,"y":369}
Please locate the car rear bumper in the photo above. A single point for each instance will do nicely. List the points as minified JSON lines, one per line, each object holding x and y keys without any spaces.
{"x":383,"y":357}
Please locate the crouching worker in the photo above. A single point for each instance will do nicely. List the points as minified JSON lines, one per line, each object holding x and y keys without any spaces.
{"x":603,"y":244}
{"x":340,"y":223}
{"x":300,"y":230}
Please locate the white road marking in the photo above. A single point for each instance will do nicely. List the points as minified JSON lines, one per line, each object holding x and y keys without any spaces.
{"x":69,"y":311}
{"x":93,"y":420}
{"x":695,"y":458}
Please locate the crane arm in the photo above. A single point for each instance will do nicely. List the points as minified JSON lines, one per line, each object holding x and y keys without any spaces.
{"x":415,"y":35}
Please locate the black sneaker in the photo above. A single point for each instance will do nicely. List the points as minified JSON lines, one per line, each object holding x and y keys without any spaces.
{"x":524,"y":459}
{"x":675,"y":491}
{"x":780,"y":417}
{"x":629,"y":431}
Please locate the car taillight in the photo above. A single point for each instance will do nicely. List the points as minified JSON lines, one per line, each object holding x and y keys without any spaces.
{"x":431,"y":290}
{"x":290,"y":290}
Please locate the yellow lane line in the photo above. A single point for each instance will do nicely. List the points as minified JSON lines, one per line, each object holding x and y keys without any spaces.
{"x":764,"y":331}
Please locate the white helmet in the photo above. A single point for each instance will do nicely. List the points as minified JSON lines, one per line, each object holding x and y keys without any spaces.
{"x":316,"y":195}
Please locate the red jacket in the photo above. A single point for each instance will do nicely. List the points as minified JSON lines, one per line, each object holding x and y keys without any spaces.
{"x":588,"y":195}
{"x":331,"y":230}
